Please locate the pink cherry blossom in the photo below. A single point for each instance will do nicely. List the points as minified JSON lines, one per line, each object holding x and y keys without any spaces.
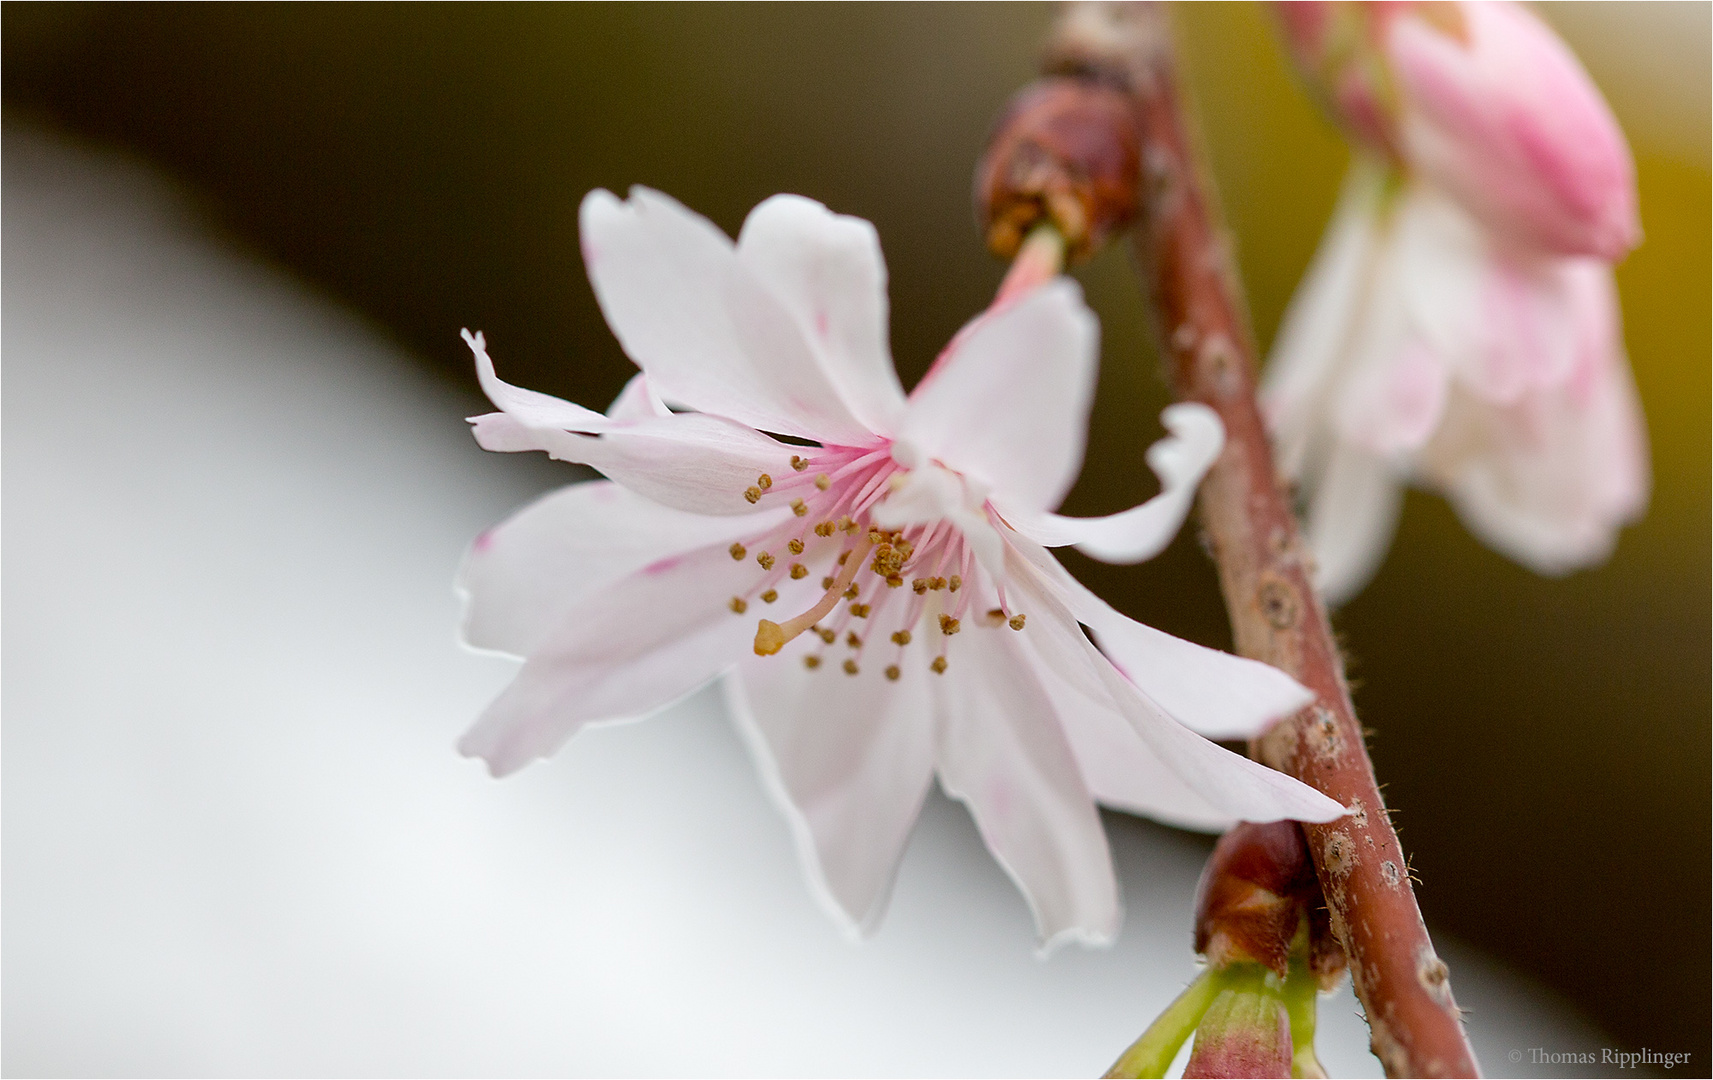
{"x":875,"y":596}
{"x":1423,"y":349}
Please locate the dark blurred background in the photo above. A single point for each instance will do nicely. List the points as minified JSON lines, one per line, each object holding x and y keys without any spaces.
{"x":1546,"y":742}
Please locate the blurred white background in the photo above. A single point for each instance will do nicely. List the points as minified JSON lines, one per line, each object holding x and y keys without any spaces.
{"x":237,"y":838}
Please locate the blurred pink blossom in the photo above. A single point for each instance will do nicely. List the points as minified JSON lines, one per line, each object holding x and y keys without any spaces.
{"x":1459,"y":327}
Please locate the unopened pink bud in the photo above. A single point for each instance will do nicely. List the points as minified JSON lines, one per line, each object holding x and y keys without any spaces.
{"x":1482,"y":99}
{"x":1498,"y":111}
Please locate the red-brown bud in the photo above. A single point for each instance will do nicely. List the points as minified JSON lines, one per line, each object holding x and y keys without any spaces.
{"x":1255,"y":893}
{"x":1066,"y":152}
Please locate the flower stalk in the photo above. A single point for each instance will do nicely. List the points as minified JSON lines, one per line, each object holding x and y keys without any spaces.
{"x":1265,"y":569}
{"x":1268,"y":955}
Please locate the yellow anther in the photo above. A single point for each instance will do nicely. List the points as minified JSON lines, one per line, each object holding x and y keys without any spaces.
{"x":826,"y":635}
{"x":799,"y":463}
{"x":764,"y":481}
{"x":822,"y":480}
{"x":795,"y":547}
{"x":798,"y":571}
{"x":825,"y":528}
{"x":860,"y":610}
{"x":1017,"y":622}
{"x":893,"y":581}
{"x":770,"y":596}
{"x":851,"y":593}
{"x":769,"y":638}
{"x":919,"y":586}
{"x":827,"y":582}
{"x":799,"y":507}
{"x":937,"y":583}
{"x":875,"y":536}
{"x":811,"y":662}
{"x":739,"y":551}
{"x":851,"y":526}
{"x":938,"y":667}
{"x":766,"y":560}
{"x":739,"y":605}
{"x":956,"y":583}
{"x":851,"y":667}
{"x":852,"y":640}
{"x":901,"y":637}
{"x":843,"y":557}
{"x":892,"y":672}
{"x":948,"y":625}
{"x":753,"y":494}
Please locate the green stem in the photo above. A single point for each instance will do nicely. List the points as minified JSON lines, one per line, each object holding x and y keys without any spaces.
{"x":1301,"y":986}
{"x":1152,"y":1054}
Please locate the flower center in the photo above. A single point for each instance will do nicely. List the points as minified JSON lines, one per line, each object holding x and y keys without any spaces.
{"x":832,"y":493}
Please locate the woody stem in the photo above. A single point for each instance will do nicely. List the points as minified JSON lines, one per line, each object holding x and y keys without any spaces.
{"x":1264,"y":567}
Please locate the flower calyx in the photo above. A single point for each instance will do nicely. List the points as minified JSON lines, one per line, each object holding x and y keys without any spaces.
{"x":1259,"y":902}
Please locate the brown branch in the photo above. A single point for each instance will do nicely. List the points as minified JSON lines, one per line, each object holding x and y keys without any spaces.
{"x":1264,"y":568}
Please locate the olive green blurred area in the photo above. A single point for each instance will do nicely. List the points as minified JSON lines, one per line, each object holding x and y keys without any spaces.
{"x":1545,"y":742}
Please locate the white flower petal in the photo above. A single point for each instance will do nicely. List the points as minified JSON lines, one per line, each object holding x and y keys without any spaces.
{"x":1208,"y":787}
{"x":707,"y":333}
{"x":1119,"y":769}
{"x":521,"y":578}
{"x":1391,"y":409}
{"x":1010,"y":402}
{"x":1124,"y":774}
{"x":1214,"y":693}
{"x":631,"y":648}
{"x":530,"y":408}
{"x":1549,"y":481}
{"x":1231,"y":783}
{"x":1351,"y":520}
{"x":688,"y":461}
{"x":849,"y":760}
{"x":1315,"y":335}
{"x":1004,"y":753}
{"x":637,"y":401}
{"x":827,"y":269}
{"x":1180,"y":461}
{"x":1228,"y":784}
{"x":1457,"y":296}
